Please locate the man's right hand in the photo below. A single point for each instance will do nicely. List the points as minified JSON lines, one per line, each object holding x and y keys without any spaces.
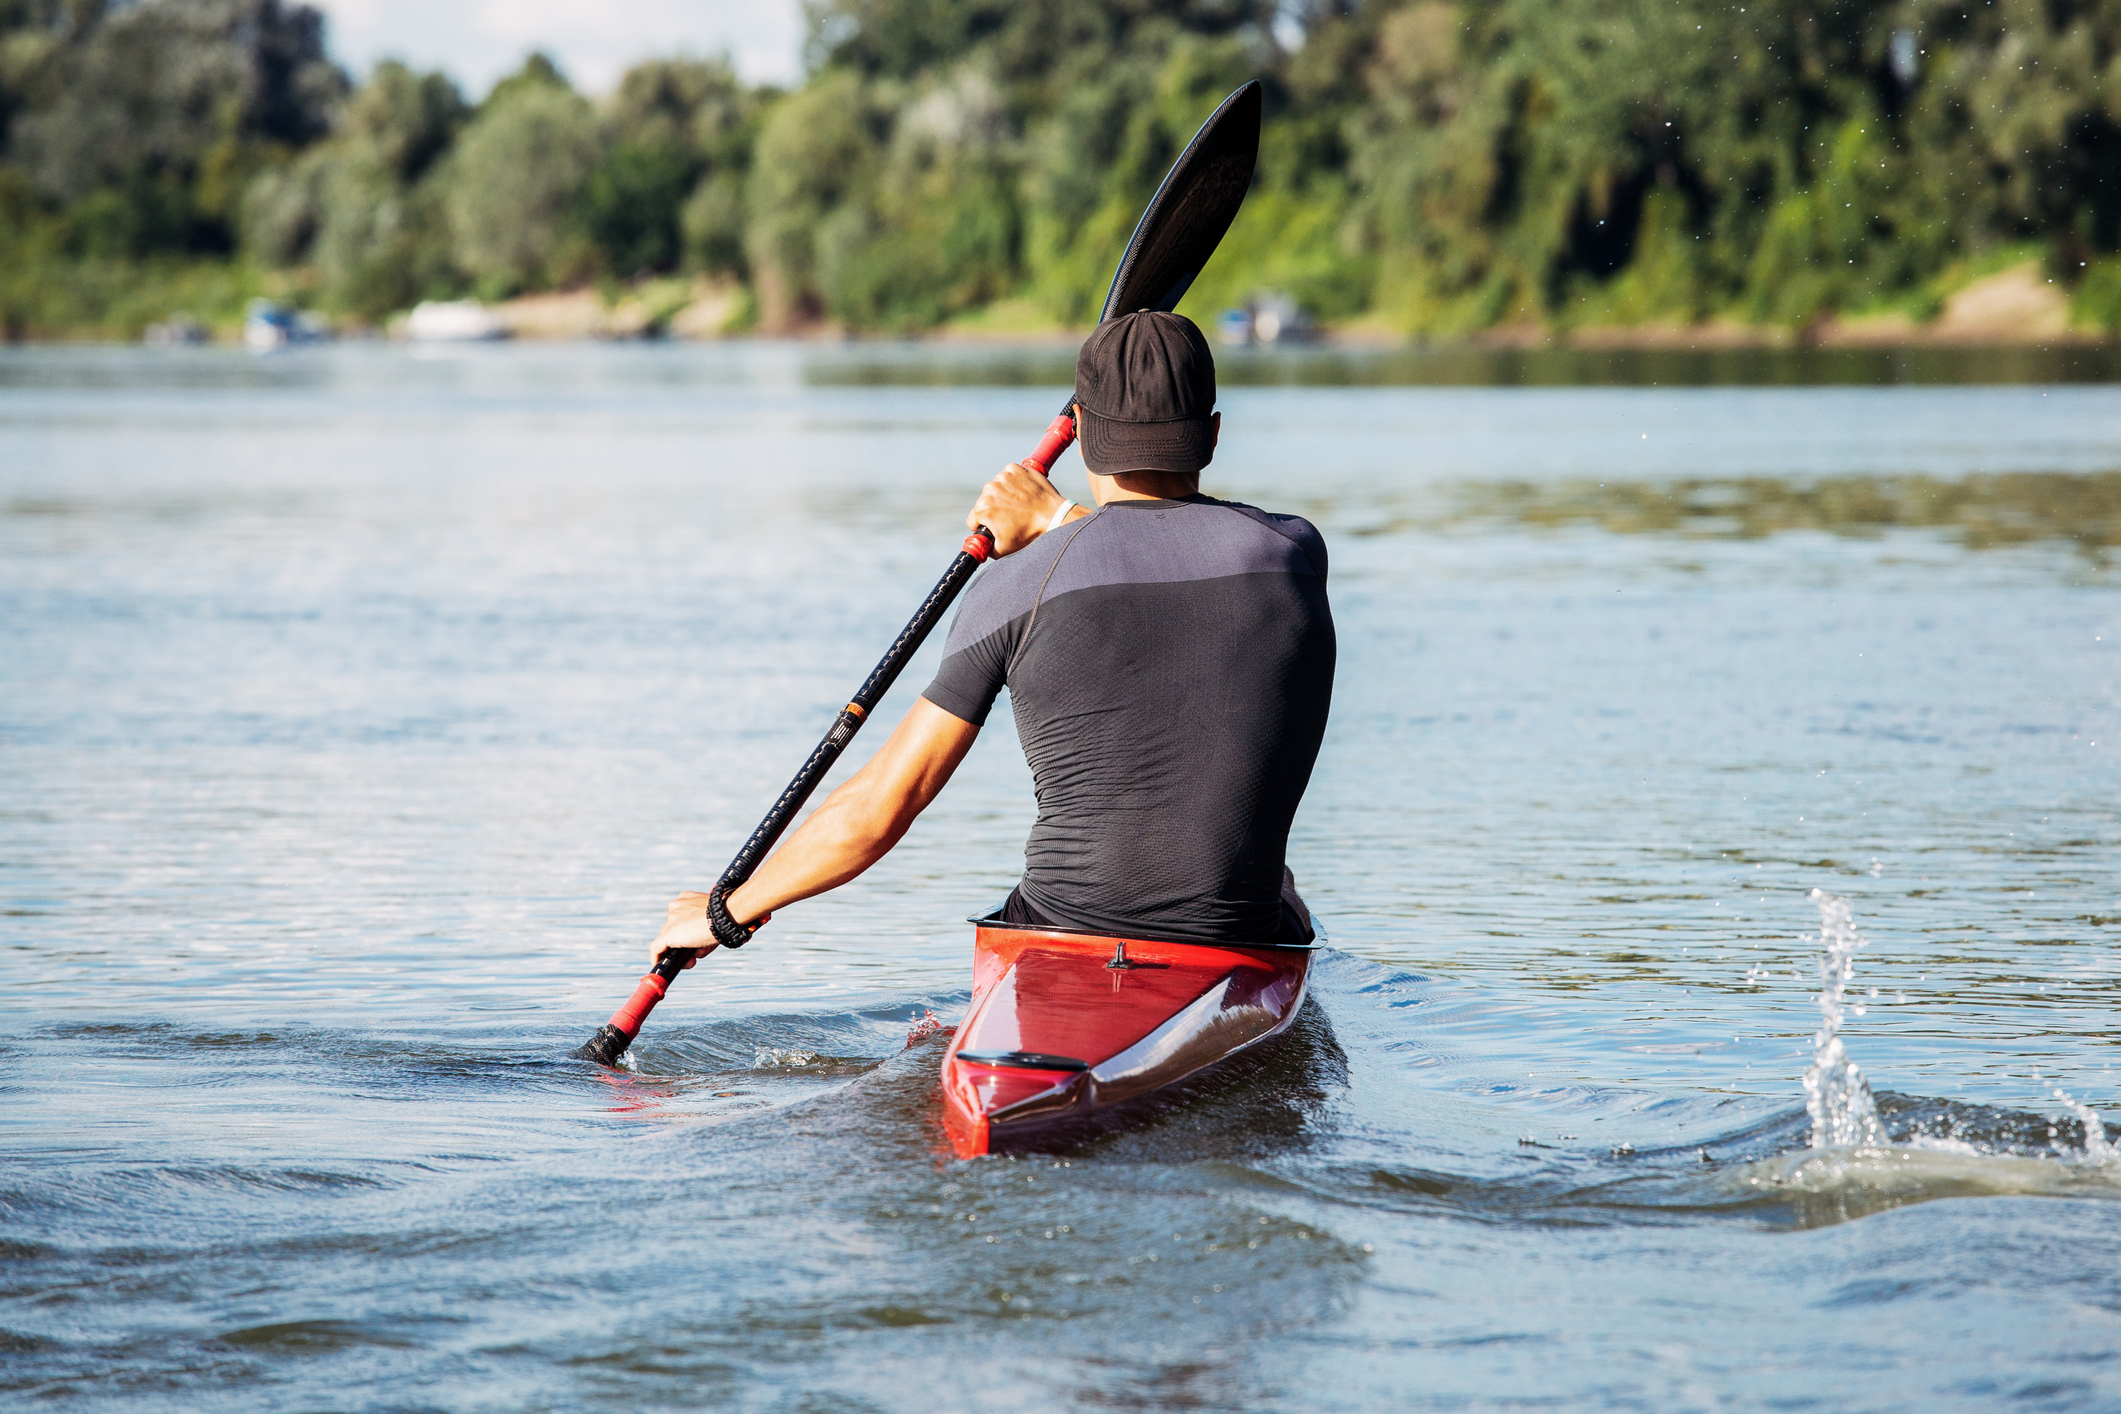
{"x":1016,"y":506}
{"x":685,"y":926}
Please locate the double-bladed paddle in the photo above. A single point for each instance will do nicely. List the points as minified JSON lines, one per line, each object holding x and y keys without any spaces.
{"x":1177,"y":233}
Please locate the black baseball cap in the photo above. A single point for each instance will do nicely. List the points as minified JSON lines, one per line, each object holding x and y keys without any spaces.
{"x":1146,"y":385}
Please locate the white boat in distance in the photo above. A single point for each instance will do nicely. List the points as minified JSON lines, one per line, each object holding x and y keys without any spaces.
{"x":453,"y":322}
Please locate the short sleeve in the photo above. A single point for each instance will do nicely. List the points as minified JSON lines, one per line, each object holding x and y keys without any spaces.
{"x":971,"y":678}
{"x":1306,"y":534}
{"x":989,"y":627}
{"x":982,"y":640}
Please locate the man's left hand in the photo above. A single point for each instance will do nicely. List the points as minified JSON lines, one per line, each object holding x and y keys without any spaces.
{"x":685,"y":925}
{"x":1016,"y":506}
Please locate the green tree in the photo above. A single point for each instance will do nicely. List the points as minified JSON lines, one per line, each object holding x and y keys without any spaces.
{"x":366,"y":208}
{"x":668,"y":190}
{"x":818,"y":154}
{"x":515,"y":185}
{"x":1625,"y":159}
{"x":145,"y":122}
{"x":1035,"y":49}
{"x":938,"y":233}
{"x":1444,"y":164}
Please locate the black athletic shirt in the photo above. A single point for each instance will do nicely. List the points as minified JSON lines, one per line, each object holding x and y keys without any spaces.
{"x":1170,"y":664}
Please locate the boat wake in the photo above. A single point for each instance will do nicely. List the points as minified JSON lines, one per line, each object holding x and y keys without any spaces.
{"x":1856,"y":1164}
{"x":1846,"y":1153}
{"x":1365,"y":1075}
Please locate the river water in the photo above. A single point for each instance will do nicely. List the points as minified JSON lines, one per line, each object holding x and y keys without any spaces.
{"x":1702,"y":728}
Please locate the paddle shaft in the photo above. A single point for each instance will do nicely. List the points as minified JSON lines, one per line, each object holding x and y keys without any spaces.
{"x":616,"y":1035}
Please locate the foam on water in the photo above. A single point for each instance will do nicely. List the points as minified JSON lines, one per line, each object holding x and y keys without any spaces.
{"x":784,"y":1058}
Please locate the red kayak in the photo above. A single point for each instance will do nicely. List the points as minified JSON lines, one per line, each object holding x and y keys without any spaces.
{"x":1064,"y":1024}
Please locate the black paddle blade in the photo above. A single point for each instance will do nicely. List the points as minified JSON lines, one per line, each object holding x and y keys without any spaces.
{"x":1191,"y":210}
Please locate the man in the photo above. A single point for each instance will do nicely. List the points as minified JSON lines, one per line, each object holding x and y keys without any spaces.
{"x":1169,"y":658}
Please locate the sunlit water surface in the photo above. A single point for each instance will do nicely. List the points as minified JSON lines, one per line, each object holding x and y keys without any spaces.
{"x":359,"y":709}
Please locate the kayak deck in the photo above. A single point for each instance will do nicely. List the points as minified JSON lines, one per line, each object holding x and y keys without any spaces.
{"x":1064,"y":1024}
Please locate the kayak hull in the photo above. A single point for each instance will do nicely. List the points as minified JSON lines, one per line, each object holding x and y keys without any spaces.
{"x":1064,"y":1024}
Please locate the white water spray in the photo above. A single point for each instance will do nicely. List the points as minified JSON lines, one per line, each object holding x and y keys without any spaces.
{"x":2098,"y":1149}
{"x":1835,"y":1093}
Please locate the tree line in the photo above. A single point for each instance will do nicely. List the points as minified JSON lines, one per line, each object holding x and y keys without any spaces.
{"x":1430,"y":167}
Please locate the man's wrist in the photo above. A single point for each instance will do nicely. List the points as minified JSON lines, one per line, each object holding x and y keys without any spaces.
{"x":735,"y":902}
{"x":727,"y":930}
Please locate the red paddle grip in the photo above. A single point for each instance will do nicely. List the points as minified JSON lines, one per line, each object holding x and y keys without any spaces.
{"x":1059,"y":437}
{"x":629,"y":1017}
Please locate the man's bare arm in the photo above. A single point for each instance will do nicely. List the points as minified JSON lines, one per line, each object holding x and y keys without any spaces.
{"x":855,"y":827}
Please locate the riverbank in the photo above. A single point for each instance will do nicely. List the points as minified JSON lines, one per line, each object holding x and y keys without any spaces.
{"x":2015,"y":307}
{"x":2019,"y":306}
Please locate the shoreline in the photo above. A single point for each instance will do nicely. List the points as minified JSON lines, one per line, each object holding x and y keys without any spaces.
{"x":2013,"y":309}
{"x":1704,"y":339}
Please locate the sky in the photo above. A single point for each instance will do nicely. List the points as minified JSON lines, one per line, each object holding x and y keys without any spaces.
{"x":593,"y":41}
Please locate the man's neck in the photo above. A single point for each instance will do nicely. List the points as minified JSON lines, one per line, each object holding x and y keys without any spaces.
{"x":1143,"y":486}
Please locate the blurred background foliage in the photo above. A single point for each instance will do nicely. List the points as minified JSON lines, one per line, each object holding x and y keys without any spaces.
{"x":1430,"y":168}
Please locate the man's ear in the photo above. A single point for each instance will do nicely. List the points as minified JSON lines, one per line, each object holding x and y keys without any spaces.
{"x":1083,"y":452}
{"x":1215,"y":429}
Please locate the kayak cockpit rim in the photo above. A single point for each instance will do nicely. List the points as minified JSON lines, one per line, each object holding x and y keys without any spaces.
{"x":1023,"y":1060}
{"x":995,"y":920}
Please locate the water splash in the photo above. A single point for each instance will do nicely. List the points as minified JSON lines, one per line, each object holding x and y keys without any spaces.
{"x":2098,"y":1149}
{"x":1851,"y":1168}
{"x":1835,"y":1093}
{"x":926,"y":1026}
{"x":777,"y":1058}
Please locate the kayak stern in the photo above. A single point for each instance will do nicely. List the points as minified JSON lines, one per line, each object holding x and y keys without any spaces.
{"x":1064,"y":1023}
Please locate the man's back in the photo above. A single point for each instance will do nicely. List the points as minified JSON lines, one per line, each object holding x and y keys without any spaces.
{"x":1170,"y":665}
